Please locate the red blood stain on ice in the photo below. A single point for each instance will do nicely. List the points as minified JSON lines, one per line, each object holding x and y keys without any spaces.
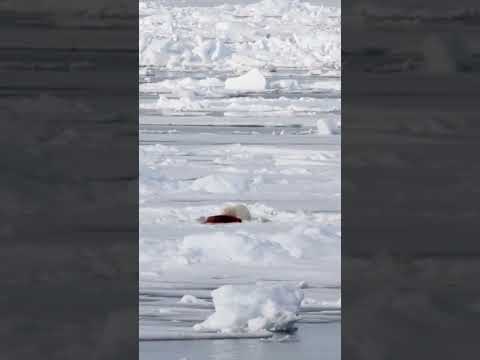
{"x":222,"y":219}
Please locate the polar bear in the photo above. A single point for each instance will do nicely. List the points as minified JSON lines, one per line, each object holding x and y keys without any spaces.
{"x":239,"y":211}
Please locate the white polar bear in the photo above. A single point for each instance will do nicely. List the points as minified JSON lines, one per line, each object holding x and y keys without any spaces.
{"x":239,"y":211}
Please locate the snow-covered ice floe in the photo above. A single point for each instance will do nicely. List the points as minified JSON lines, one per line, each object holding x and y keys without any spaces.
{"x":253,"y":308}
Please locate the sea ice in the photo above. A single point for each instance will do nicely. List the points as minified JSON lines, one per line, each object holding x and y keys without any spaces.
{"x":253,"y":308}
{"x":251,"y":81}
{"x":265,"y":34}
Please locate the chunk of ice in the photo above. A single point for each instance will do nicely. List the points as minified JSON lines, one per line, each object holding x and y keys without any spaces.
{"x":240,"y":308}
{"x":251,"y":81}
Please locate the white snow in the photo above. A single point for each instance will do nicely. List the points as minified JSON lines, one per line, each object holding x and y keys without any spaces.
{"x":253,"y":308}
{"x":251,"y":81}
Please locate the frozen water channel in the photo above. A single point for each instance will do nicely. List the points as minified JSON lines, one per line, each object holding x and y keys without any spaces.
{"x":271,"y":143}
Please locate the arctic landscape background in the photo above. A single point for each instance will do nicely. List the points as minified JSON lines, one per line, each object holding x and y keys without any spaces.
{"x":240,"y":103}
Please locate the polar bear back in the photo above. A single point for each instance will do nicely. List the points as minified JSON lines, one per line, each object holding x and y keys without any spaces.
{"x":239,"y":210}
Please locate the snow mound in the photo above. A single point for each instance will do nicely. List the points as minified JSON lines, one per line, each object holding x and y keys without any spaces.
{"x":253,"y":308}
{"x":251,"y":81}
{"x":192,"y":300}
{"x":328,"y":126}
{"x":303,"y":285}
{"x":220,"y":184}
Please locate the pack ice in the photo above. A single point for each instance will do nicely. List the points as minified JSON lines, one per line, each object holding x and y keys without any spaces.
{"x":270,"y":33}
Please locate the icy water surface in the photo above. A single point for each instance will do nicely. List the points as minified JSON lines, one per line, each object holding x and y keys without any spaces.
{"x":313,"y":342}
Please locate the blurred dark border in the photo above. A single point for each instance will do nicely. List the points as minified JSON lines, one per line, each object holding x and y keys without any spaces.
{"x":69,"y":184}
{"x":410,"y":174}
